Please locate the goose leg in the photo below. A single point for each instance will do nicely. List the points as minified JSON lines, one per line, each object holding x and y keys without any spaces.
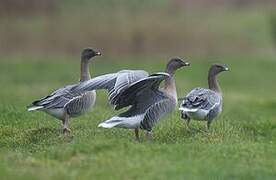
{"x":136,"y":131}
{"x":183,"y":115}
{"x":188,"y":123}
{"x":66,"y":129}
{"x":208,"y":125}
{"x":149,"y":136}
{"x":186,"y":118}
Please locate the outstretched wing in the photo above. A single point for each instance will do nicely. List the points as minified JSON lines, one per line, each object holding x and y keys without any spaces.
{"x":138,"y":91}
{"x":200,"y":98}
{"x":114,"y":83}
{"x":146,"y":101}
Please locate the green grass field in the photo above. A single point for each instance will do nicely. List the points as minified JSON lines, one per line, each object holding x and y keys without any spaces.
{"x":240,"y":144}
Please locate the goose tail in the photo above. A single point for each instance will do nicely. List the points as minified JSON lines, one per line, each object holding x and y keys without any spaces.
{"x":187,"y":109}
{"x":110,"y":123}
{"x":34,"y":108}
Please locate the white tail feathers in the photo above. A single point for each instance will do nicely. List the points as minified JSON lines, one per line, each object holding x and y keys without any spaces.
{"x":33,"y":108}
{"x":111,"y":122}
{"x":108,"y":124}
{"x":187,"y":110}
{"x":123,"y":122}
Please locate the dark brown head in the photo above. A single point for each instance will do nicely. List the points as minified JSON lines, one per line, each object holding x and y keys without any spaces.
{"x":174,"y":64}
{"x":217,"y":68}
{"x":89,"y":53}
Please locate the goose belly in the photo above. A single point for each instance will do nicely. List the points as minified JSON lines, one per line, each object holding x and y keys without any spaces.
{"x":57,"y":113}
{"x":205,"y":115}
{"x":200,"y":114}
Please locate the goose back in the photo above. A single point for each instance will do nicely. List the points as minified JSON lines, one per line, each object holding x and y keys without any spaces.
{"x":202,"y":104}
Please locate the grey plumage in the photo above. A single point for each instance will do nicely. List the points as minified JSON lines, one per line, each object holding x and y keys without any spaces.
{"x":201,"y":104}
{"x":114,"y":83}
{"x":65,"y":103}
{"x":57,"y":99}
{"x":204,"y":104}
{"x":81,"y":104}
{"x":148,"y":102}
{"x":77,"y":99}
{"x":158,"y":110}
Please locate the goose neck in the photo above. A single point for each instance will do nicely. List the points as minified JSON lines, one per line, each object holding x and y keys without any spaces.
{"x":213,"y":82}
{"x":84,"y":71}
{"x":170,"y":87}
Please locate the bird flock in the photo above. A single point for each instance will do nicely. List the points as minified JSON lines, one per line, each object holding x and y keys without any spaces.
{"x":149,"y":97}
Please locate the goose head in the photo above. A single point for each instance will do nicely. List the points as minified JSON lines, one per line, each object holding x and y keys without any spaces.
{"x":175,"y":64}
{"x":89,"y":53}
{"x":218,"y":68}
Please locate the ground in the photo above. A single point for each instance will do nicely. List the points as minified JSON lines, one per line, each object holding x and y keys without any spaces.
{"x":240,"y":144}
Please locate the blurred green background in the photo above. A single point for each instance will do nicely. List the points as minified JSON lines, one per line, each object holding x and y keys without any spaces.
{"x":40,"y":45}
{"x":208,"y":28}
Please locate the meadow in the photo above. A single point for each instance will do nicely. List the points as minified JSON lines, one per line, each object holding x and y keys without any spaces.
{"x":240,"y":144}
{"x":39,"y":52}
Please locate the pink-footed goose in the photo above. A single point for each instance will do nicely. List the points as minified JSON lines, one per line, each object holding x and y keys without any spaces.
{"x":204,"y":104}
{"x":70,"y":101}
{"x":62,"y":104}
{"x":148,"y":102}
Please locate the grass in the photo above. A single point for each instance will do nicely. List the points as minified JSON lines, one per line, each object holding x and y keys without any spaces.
{"x":240,"y":145}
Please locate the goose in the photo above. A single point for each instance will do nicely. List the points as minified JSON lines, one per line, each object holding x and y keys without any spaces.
{"x":64,"y":105}
{"x":148,"y":102}
{"x":68,"y":100}
{"x":204,"y":104}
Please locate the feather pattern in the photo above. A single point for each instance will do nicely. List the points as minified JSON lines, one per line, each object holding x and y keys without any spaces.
{"x":202,"y":104}
{"x":81,"y":104}
{"x":57,"y":99}
{"x":75,"y":99}
{"x":53,"y":98}
{"x":148,"y":104}
{"x":138,"y":91}
{"x":114,"y":83}
{"x":57,"y":104}
{"x":156,"y":112}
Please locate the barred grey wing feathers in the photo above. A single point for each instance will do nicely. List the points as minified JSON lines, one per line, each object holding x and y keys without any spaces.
{"x":114,"y":83}
{"x":156,"y":112}
{"x":135,"y":92}
{"x":200,"y":98}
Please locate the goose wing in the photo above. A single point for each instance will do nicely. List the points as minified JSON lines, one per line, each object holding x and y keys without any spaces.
{"x":156,"y":111}
{"x":145,"y":98}
{"x":141,"y":91}
{"x":114,"y":83}
{"x":146,"y":101}
{"x":200,"y":98}
{"x":57,"y":99}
